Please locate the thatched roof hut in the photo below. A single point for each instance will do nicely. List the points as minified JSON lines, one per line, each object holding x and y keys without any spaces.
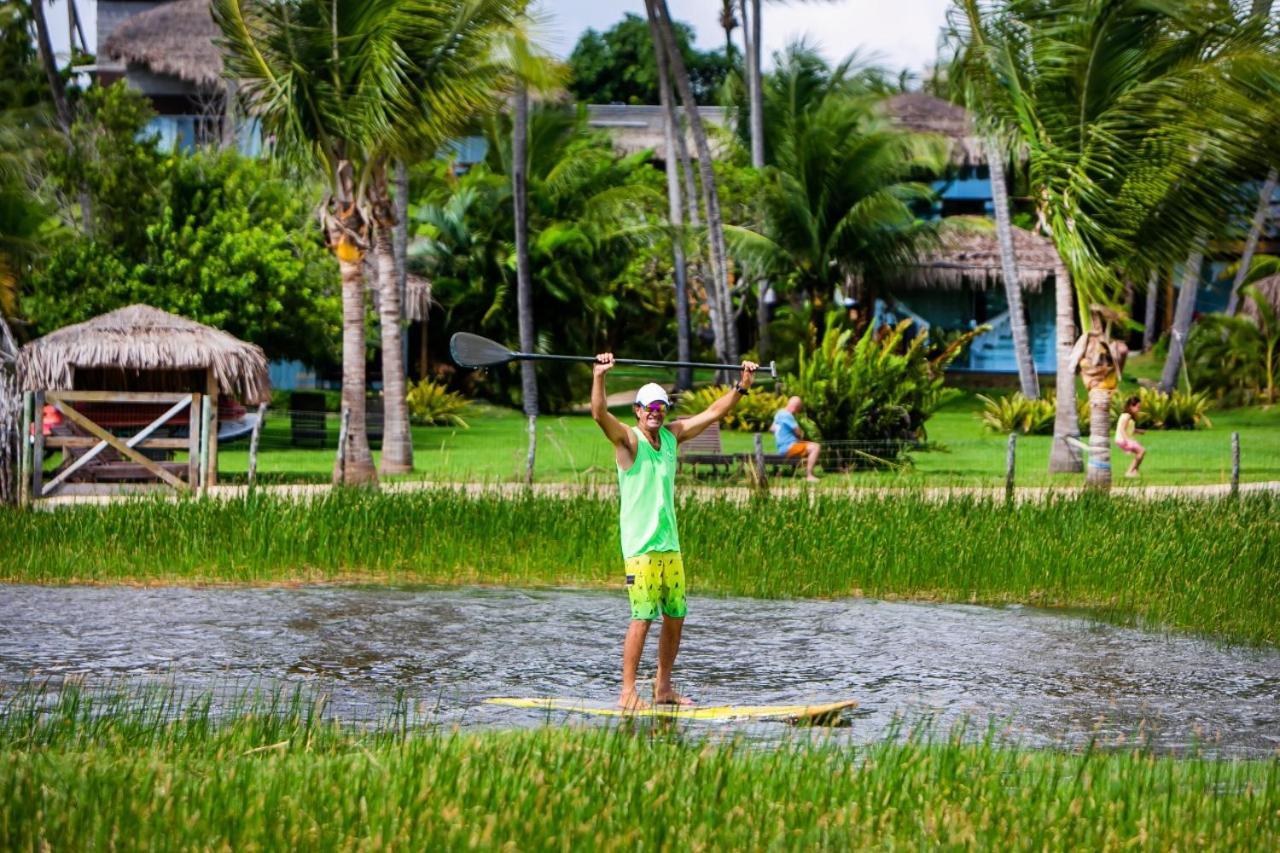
{"x":1269,"y":288}
{"x":968,"y":255}
{"x":174,"y":39}
{"x":140,"y":342}
{"x":923,"y":113}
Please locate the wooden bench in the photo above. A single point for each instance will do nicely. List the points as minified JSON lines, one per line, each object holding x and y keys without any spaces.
{"x":705,"y":449}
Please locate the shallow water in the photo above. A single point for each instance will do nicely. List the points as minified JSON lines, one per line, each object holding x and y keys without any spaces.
{"x":1048,"y":678}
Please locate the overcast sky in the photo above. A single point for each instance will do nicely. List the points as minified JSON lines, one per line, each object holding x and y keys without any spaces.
{"x":903,"y":33}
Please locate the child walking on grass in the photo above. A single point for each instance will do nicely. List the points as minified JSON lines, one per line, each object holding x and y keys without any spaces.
{"x":1125,"y":430}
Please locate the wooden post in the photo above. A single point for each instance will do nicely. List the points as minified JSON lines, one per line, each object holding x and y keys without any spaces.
{"x":195,"y":412}
{"x":212,"y":392}
{"x":205,"y":417}
{"x":253,"y":444}
{"x":761,"y":476}
{"x":342,"y":445}
{"x":1010,"y":458}
{"x":24,"y":451}
{"x":1235,"y":464}
{"x":37,"y":445}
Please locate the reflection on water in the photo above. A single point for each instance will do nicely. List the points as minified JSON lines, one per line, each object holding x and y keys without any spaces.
{"x":1049,"y":678}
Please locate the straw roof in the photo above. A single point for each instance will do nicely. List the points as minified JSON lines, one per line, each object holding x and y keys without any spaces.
{"x":140,"y":337}
{"x":968,"y":255}
{"x":923,"y":113}
{"x":1269,"y":287}
{"x":174,"y":39}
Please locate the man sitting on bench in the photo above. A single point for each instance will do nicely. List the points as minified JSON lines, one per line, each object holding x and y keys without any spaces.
{"x":789,"y":437}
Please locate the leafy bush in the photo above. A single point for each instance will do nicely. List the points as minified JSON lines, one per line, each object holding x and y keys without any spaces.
{"x":1158,"y":410}
{"x":434,"y":405}
{"x":1029,"y":417}
{"x":1237,"y":359}
{"x":870,"y":398}
{"x":754,"y":412}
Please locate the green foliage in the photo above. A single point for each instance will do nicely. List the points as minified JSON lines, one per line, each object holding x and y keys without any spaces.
{"x":842,"y":180}
{"x":432,"y":404}
{"x":1015,"y":413}
{"x":617,"y":66}
{"x":869,"y":399}
{"x":1237,"y":359}
{"x":218,"y":238}
{"x":1158,"y":410}
{"x":590,"y":215}
{"x":754,"y":412}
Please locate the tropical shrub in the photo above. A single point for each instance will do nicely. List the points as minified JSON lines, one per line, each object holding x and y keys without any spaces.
{"x":754,"y":412}
{"x":431,"y":404}
{"x":1236,"y":360}
{"x":1158,"y":410}
{"x":869,"y":398}
{"x":1029,"y":417}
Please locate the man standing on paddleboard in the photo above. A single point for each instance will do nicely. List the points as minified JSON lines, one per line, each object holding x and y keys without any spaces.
{"x":646,"y":456}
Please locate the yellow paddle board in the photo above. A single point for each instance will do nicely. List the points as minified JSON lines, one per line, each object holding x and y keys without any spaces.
{"x":828,"y":714}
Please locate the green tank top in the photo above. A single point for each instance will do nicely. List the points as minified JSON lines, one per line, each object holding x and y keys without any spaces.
{"x":648,"y":490}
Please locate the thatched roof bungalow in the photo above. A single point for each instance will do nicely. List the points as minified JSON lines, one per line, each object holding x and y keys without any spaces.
{"x":173,"y":39}
{"x":968,"y":256}
{"x":1269,"y":289}
{"x":140,"y":348}
{"x":921,"y":113}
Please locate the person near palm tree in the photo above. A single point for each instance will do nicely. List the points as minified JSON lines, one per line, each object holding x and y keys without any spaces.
{"x":646,"y":458}
{"x":1126,"y":428}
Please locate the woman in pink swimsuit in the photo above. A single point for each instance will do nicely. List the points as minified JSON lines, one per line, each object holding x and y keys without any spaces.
{"x":1125,"y":430}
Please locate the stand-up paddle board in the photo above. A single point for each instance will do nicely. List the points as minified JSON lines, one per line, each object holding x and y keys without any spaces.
{"x":802,"y":715}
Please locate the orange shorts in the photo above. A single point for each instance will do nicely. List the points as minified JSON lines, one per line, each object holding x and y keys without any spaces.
{"x":800,"y":448}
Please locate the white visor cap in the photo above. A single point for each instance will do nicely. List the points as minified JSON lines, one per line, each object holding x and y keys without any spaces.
{"x":652,"y":393}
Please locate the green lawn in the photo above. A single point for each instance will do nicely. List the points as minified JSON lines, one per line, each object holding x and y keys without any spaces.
{"x":572,"y":450}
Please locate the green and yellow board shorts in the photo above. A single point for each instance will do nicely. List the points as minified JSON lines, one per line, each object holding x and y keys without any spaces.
{"x":655,"y":584}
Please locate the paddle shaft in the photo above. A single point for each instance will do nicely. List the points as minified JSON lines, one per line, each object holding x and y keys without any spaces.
{"x":639,"y":362}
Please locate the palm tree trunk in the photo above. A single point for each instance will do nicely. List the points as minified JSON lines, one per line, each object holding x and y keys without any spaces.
{"x":61,"y":107}
{"x":1099,"y":475}
{"x":1027,"y":378}
{"x":1149,"y":318}
{"x":397,"y":444}
{"x":401,"y":235}
{"x":710,"y":197}
{"x":675,"y":211}
{"x":1182,"y":321}
{"x":1251,"y":243}
{"x":524,"y":286}
{"x":1063,"y":457}
{"x":347,"y":233}
{"x":755,"y":86}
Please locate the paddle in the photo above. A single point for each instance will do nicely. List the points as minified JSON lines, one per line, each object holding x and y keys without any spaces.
{"x":474,"y":351}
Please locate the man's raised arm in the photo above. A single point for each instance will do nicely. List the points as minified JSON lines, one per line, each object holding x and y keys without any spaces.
{"x":694,"y":426}
{"x":611,"y":426}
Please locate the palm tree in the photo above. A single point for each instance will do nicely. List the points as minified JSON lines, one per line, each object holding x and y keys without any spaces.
{"x":1009,"y":267}
{"x":718,"y":296}
{"x":837,"y":205}
{"x":1134,"y":116}
{"x":343,"y":88}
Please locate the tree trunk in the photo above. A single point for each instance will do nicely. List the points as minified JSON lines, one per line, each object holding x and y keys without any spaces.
{"x":1251,"y":243}
{"x":1099,"y":476}
{"x":1027,"y":378}
{"x":1149,"y":319}
{"x":347,"y":233}
{"x":524,"y":285}
{"x":727,"y":351}
{"x":61,"y":107}
{"x":675,"y":210}
{"x":764,"y":345}
{"x":755,"y":84}
{"x":1182,"y":321}
{"x":397,"y":443}
{"x":401,"y":237}
{"x":1063,"y":457}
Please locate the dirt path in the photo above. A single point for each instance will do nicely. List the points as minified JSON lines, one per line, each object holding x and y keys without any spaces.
{"x":737,"y":494}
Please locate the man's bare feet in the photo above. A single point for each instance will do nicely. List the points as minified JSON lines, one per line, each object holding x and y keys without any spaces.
{"x":672,"y":698}
{"x":631,"y":701}
{"x":811,"y":479}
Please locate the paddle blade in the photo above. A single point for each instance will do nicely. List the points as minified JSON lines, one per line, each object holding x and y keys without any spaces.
{"x":470,"y":350}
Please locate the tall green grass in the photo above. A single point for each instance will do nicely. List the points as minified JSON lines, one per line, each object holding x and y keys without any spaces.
{"x":1205,"y":566}
{"x":152,"y":774}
